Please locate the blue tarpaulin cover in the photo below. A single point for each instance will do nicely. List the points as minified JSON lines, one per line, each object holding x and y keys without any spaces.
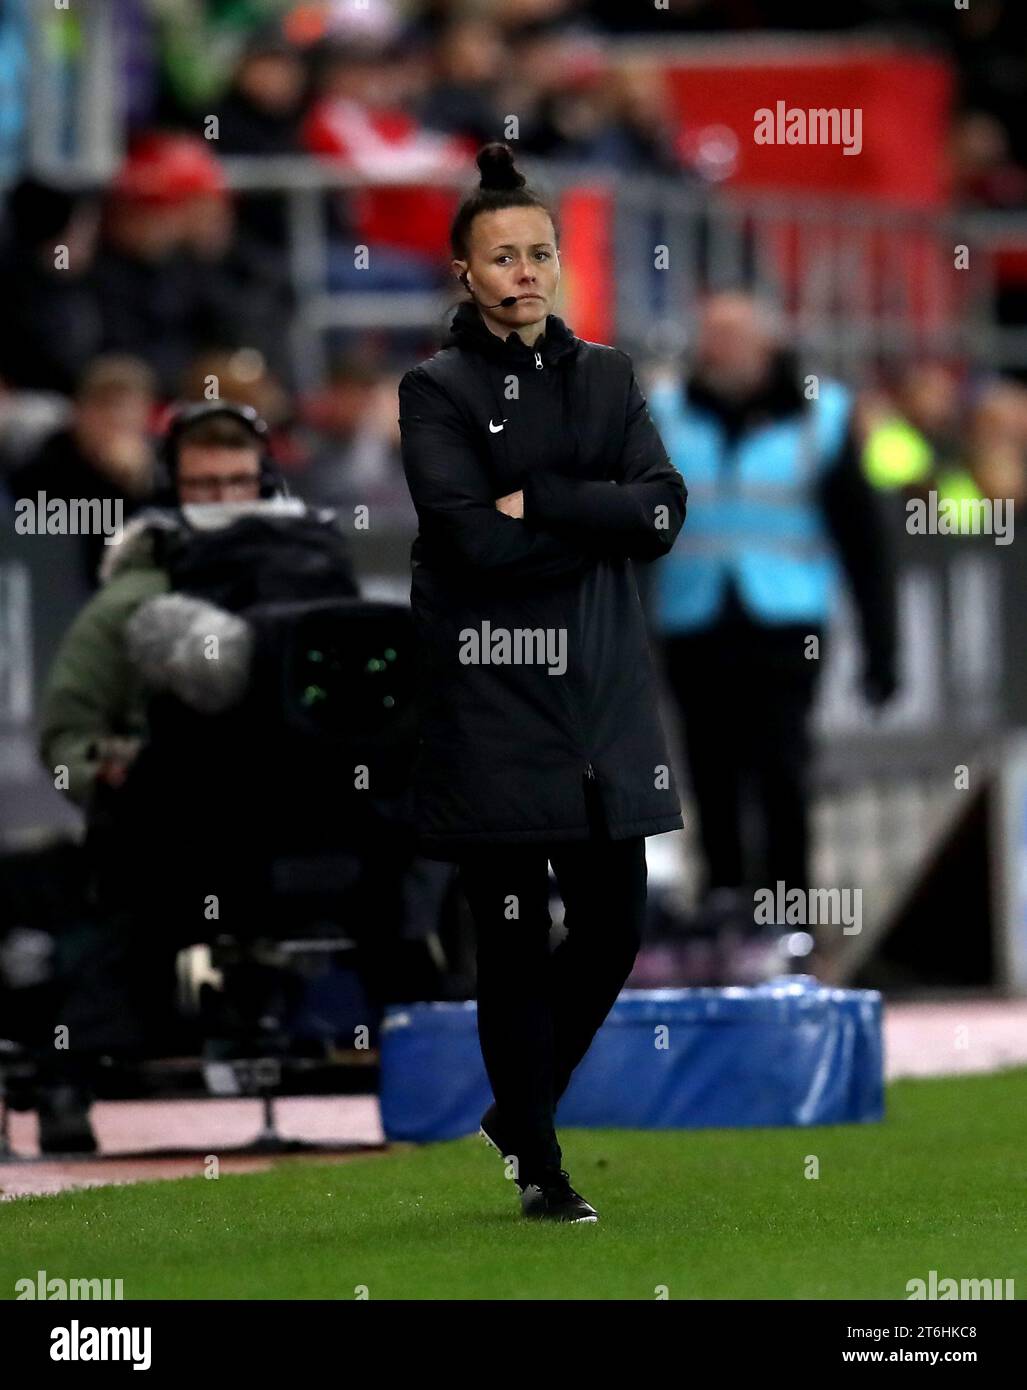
{"x":789,"y":1052}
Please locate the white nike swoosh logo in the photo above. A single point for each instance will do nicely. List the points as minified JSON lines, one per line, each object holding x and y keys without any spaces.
{"x":494,"y":429}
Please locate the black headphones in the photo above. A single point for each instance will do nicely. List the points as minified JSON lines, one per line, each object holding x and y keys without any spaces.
{"x":272,"y":484}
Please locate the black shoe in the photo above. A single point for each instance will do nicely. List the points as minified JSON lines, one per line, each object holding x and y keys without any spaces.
{"x":550,"y":1197}
{"x":64,"y":1127}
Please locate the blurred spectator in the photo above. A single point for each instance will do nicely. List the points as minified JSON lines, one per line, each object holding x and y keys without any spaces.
{"x":984,"y":173}
{"x":170,"y":278}
{"x":998,"y":440}
{"x":988,"y":43}
{"x":573,"y":124}
{"x":261,"y":112}
{"x":588,"y":110}
{"x":14,"y":63}
{"x":915,"y":439}
{"x":778,"y":511}
{"x":468,"y":67}
{"x":356,"y":457}
{"x":639,"y":134}
{"x":551,"y":87}
{"x":580,"y":104}
{"x":51,"y":324}
{"x":103,"y":453}
{"x":154,"y":301}
{"x":200,"y":42}
{"x":262,"y":116}
{"x":243,"y":375}
{"x":358,"y":122}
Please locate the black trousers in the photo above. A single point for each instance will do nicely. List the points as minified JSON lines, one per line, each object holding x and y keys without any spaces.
{"x":744,"y":691}
{"x":538,"y":1010}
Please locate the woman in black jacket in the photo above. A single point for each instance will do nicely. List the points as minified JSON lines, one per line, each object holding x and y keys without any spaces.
{"x":538,"y":478}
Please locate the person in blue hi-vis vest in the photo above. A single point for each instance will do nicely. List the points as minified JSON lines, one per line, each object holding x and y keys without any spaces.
{"x":780,"y":513}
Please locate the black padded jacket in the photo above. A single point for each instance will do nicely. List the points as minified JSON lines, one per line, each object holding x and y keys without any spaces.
{"x":538,"y":711}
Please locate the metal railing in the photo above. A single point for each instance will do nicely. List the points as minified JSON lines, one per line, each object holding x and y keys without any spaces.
{"x":855,"y":285}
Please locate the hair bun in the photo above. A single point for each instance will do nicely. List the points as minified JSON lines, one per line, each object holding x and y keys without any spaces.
{"x":496,"y":162}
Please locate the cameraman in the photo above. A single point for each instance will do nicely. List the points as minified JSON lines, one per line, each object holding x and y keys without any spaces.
{"x":225,"y":526}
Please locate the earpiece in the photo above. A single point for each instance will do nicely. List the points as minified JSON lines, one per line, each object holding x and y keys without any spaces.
{"x":501,"y":304}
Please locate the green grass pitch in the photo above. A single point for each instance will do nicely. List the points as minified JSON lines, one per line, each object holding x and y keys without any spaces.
{"x":940,"y":1184}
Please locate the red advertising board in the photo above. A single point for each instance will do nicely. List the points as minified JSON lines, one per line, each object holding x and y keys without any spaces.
{"x":904,"y":100}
